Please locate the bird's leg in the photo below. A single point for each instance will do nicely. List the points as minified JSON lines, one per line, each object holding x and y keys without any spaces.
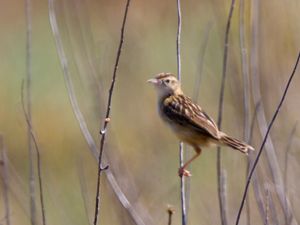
{"x":182,"y":171}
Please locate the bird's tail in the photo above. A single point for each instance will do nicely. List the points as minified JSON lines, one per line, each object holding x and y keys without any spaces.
{"x":235,"y":144}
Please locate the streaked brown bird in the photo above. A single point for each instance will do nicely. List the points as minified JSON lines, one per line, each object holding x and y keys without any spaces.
{"x":188,"y":121}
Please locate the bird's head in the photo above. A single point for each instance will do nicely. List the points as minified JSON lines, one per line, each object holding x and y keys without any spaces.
{"x":166,"y":84}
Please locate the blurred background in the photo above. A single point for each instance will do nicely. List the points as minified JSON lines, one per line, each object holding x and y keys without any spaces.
{"x":141,"y":152}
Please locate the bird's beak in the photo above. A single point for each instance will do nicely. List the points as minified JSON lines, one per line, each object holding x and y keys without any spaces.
{"x":153,"y":81}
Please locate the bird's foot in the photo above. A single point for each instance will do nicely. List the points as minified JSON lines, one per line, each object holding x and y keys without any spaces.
{"x":184,"y":172}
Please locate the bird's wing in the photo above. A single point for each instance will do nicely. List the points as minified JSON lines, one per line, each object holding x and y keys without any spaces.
{"x":181,"y":110}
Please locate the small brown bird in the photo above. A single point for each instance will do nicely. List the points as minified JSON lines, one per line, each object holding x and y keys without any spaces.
{"x":188,"y":121}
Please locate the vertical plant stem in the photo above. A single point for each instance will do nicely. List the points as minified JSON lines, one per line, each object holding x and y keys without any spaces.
{"x":246,"y":92}
{"x":221,"y":193}
{"x":181,"y":151}
{"x":81,"y":120}
{"x":5,"y":179}
{"x":103,"y":131}
{"x":28,"y":9}
{"x":265,"y":138}
{"x":39,"y":169}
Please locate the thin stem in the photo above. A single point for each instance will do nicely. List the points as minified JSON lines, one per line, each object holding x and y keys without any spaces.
{"x":39,"y":170}
{"x":221,"y":196}
{"x":5,"y":178}
{"x":181,"y":151}
{"x":182,"y":187}
{"x":107,"y":119}
{"x":246,"y":92}
{"x":81,"y":120}
{"x":28,"y":14}
{"x":271,"y":156}
{"x":265,"y":139}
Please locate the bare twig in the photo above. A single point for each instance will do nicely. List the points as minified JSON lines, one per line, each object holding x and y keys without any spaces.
{"x":181,"y":151}
{"x":265,"y":139}
{"x":80,"y":118}
{"x":28,"y":9}
{"x":221,"y":197}
{"x":170,"y":212}
{"x":287,"y":152}
{"x":5,"y":178}
{"x":107,"y":119}
{"x":39,"y":170}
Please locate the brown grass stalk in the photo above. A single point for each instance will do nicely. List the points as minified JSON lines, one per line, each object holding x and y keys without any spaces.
{"x":103,"y":131}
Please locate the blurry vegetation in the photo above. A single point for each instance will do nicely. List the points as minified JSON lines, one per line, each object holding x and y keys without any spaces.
{"x":142,"y":153}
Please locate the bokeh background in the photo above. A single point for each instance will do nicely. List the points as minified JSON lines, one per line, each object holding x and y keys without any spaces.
{"x":141,"y":152}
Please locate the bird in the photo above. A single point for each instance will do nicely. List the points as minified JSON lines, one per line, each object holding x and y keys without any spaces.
{"x":190,"y":123}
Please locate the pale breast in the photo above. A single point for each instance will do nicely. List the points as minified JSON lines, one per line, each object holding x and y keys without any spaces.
{"x":188,"y":136}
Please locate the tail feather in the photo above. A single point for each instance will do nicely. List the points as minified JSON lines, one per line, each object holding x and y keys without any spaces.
{"x":235,"y":144}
